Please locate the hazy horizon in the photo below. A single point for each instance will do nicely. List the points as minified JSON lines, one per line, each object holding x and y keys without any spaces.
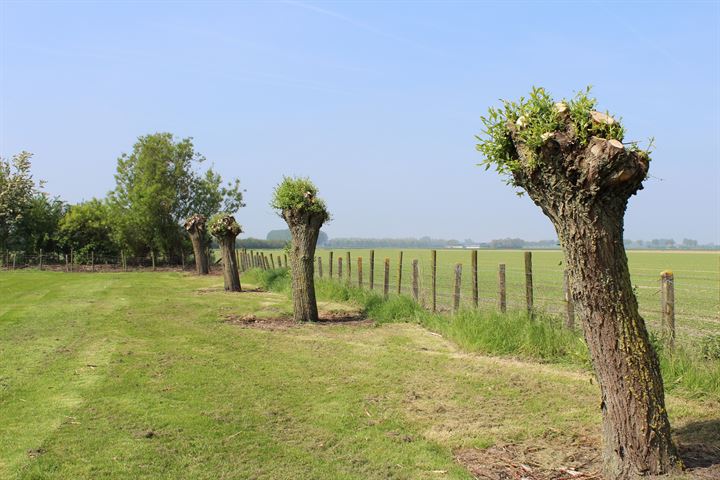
{"x":377,"y":103}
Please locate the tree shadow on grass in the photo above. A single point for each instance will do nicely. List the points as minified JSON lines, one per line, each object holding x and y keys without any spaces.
{"x":699,"y":446}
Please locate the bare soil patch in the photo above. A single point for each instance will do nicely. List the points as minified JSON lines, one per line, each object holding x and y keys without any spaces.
{"x":581,"y":461}
{"x":515,"y":462}
{"x":202,"y":291}
{"x":287,"y":322}
{"x":699,"y":446}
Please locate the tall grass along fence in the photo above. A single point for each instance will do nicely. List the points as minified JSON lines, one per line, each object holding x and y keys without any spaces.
{"x":452,"y":281}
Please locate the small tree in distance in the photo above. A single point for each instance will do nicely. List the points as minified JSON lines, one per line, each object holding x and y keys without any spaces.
{"x":571,"y":161}
{"x":297,"y":203}
{"x":224,"y":227}
{"x":196,"y":228}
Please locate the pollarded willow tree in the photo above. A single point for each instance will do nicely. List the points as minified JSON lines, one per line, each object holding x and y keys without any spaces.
{"x":571,"y":161}
{"x":224,"y":227}
{"x":197,"y":229}
{"x":297,"y":202}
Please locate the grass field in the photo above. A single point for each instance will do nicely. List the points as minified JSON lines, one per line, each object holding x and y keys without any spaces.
{"x":697,"y":281}
{"x":147,"y":375}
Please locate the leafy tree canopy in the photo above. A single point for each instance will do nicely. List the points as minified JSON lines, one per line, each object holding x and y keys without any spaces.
{"x":17,"y":189}
{"x":158,"y":186}
{"x":88,"y":227}
{"x":37,"y":229}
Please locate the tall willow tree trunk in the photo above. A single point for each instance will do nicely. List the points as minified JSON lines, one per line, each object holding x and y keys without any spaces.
{"x":304,"y":230}
{"x":584,"y":190}
{"x":195,"y":226}
{"x":226,"y":230}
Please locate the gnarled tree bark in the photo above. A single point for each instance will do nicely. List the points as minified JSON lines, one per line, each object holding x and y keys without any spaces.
{"x":196,"y":228}
{"x":226,"y":230}
{"x":304,"y":230}
{"x":584,"y":190}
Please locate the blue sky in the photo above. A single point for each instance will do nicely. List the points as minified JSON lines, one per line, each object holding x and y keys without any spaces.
{"x":377,"y":102}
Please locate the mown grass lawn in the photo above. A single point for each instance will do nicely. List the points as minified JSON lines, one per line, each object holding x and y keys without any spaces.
{"x":139,"y":375}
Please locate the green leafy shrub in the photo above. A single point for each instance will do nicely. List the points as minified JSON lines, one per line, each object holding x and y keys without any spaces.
{"x":298,"y":195}
{"x":532,"y":119}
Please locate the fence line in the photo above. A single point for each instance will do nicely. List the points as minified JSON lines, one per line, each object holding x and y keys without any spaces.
{"x":521,"y":288}
{"x":663,"y":299}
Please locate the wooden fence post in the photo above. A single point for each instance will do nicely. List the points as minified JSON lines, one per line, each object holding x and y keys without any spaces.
{"x":285,"y":256}
{"x":386,"y":284}
{"x":72,"y":260}
{"x":360,"y":279}
{"x":67,"y":263}
{"x":569,"y":305}
{"x":319,"y":260}
{"x":331,"y":264}
{"x":415,"y":285}
{"x":456,"y":296}
{"x":474,"y":268}
{"x":40,"y":260}
{"x":372,"y":269}
{"x":529,"y":283}
{"x":433,"y":269}
{"x":400,"y":263}
{"x":152,"y":258}
{"x":349,"y":268}
{"x":501,"y":288}
{"x":667,"y":288}
{"x":14,"y":259}
{"x":339,"y":268}
{"x":272,"y":261}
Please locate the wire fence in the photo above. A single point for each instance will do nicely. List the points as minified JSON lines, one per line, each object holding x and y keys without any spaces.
{"x":695,"y":308}
{"x":90,"y":262}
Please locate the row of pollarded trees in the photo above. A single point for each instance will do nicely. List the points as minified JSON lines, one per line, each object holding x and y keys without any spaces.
{"x":297,"y":202}
{"x":225,"y":229}
{"x":571,"y":161}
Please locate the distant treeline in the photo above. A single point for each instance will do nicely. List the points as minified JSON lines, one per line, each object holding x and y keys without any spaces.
{"x":669,"y":244}
{"x":278,"y":239}
{"x":259,"y":243}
